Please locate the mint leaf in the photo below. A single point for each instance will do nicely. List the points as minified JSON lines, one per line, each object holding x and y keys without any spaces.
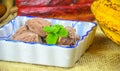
{"x":63,"y":32}
{"x":54,"y":32}
{"x":47,"y":29}
{"x":51,"y":38}
{"x":58,"y":26}
{"x":51,"y":29}
{"x":55,"y":29}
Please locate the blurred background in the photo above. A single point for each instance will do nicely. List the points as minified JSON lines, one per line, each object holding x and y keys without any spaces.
{"x":61,"y":9}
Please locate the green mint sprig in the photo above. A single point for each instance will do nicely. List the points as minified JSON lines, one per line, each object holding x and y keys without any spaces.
{"x":54,"y":32}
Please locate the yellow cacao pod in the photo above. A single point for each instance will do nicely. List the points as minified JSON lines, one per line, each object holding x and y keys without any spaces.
{"x":8,"y":4}
{"x":2,"y":9}
{"x":107,"y":14}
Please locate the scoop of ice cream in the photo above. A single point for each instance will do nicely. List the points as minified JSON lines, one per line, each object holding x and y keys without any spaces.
{"x":71,"y":39}
{"x":28,"y":37}
{"x":71,"y":32}
{"x":20,"y":31}
{"x":23,"y":34}
{"x":36,"y":25}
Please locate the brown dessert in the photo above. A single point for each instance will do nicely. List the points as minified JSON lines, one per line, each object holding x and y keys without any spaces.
{"x":33,"y":31}
{"x":71,"y":39}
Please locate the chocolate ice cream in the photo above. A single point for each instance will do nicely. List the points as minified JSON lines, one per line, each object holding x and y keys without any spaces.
{"x":20,"y":31}
{"x":36,"y":25}
{"x":28,"y":37}
{"x":23,"y":34}
{"x":33,"y":31}
{"x":71,"y":39}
